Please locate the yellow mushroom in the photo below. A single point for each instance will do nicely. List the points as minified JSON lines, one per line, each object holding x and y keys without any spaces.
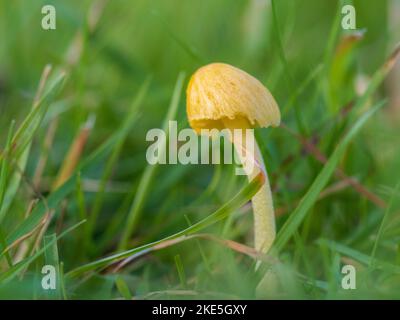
{"x":221,"y":96}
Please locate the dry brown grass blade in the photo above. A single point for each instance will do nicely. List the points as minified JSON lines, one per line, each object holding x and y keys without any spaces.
{"x":74,"y":154}
{"x":346,"y":260}
{"x":310,"y":147}
{"x":43,"y":229}
{"x":48,"y":142}
{"x":393,"y":81}
{"x":393,"y":84}
{"x":233,"y":245}
{"x":348,"y":41}
{"x":75,"y":49}
{"x":27,"y":235}
{"x":23,"y":247}
{"x":36,"y":242}
{"x":77,"y":45}
{"x":42,"y":83}
{"x":60,"y":220}
{"x":95,"y":12}
{"x":391,"y":61}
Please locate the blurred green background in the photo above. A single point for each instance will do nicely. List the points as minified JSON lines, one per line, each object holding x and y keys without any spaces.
{"x":318,"y":74}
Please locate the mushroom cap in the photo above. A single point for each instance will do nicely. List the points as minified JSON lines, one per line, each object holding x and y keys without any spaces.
{"x":220,"y":91}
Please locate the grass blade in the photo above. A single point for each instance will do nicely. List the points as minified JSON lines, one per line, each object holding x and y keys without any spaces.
{"x":384,"y":225}
{"x":144,"y":184}
{"x":53,"y":200}
{"x":181,"y":270}
{"x":3,"y":186}
{"x":51,"y":258}
{"x":359,"y":256}
{"x":23,"y":138}
{"x":235,"y":203}
{"x":13,"y":272}
{"x":123,"y":288}
{"x":298,"y":215}
{"x":131,"y":117}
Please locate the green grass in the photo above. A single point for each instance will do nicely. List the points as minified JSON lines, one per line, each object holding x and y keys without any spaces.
{"x":119,"y":228}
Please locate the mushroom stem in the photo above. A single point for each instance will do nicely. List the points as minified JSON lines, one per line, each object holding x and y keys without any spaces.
{"x":264,"y":217}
